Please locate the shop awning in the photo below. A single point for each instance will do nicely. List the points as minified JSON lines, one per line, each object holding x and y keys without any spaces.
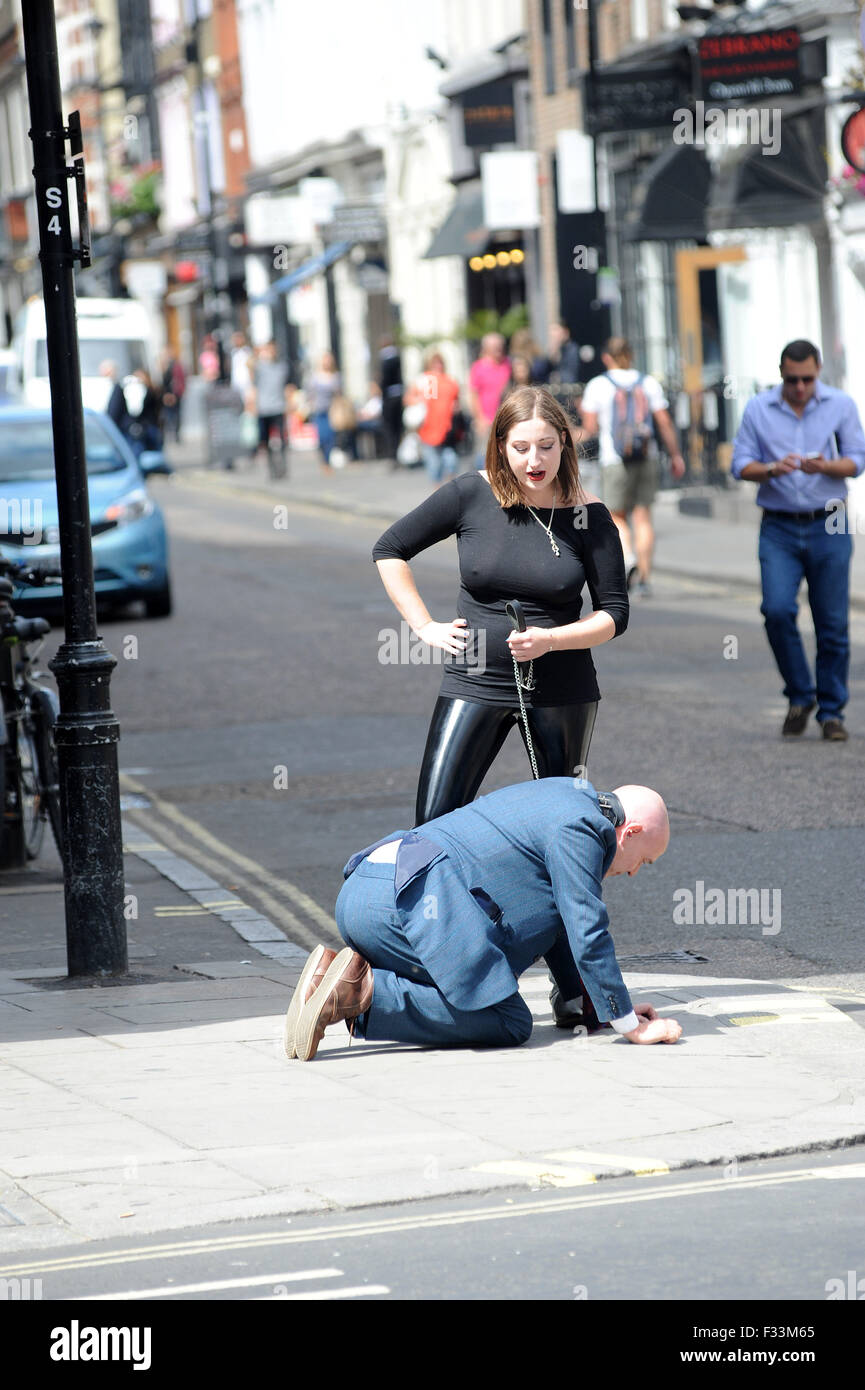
{"x":669,"y":203}
{"x":314,"y":266}
{"x":776,"y":189}
{"x":463,"y":232}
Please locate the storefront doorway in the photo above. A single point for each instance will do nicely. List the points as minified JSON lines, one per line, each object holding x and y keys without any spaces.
{"x":701,"y":352}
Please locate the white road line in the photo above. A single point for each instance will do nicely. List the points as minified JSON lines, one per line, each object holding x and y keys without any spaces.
{"x":322,"y":1295}
{"x":215,"y":1285}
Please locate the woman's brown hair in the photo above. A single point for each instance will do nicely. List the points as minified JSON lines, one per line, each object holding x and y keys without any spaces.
{"x":526,"y":403}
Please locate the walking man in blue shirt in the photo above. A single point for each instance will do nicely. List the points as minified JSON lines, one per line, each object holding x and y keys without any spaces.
{"x":799,"y":441}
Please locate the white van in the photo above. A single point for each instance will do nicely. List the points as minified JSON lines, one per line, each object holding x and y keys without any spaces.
{"x":115,"y":330}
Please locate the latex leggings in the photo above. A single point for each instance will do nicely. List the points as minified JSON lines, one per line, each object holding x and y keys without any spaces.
{"x":463,"y":741}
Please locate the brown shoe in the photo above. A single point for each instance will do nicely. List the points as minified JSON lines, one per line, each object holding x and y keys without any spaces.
{"x":834,"y":731}
{"x":797,"y":718}
{"x":344,"y":993}
{"x":311,"y":977}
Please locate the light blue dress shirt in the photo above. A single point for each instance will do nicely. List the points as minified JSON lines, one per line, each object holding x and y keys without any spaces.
{"x":771,"y":429}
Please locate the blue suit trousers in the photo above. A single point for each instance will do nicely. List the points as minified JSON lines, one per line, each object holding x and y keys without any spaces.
{"x":407,"y":1006}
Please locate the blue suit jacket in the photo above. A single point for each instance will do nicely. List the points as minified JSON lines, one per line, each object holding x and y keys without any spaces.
{"x":485,"y":889}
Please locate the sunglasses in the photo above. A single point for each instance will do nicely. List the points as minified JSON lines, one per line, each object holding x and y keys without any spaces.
{"x":795,"y":380}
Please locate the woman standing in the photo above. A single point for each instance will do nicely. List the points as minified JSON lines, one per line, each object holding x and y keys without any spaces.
{"x":525,"y":530}
{"x":440,"y":394}
{"x":322,"y":386}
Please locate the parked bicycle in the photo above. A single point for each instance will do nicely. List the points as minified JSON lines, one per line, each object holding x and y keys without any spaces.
{"x":29,"y":783}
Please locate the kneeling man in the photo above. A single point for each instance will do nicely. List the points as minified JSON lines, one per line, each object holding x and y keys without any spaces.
{"x":440,"y":922}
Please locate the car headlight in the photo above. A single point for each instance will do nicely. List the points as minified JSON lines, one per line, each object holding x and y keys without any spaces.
{"x":132,"y":507}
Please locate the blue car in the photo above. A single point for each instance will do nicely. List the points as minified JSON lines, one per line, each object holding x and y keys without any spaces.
{"x":130,"y":549}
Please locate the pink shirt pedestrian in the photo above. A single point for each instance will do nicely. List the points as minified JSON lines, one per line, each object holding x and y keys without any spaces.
{"x":488,"y":380}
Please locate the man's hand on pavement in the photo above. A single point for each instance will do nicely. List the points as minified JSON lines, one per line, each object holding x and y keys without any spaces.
{"x":652,"y":1029}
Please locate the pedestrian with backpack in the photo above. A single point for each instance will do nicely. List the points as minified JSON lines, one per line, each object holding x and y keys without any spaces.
{"x":622,"y":406}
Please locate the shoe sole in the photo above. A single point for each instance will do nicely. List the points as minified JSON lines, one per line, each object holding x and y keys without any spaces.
{"x":304,"y":1040}
{"x":295,"y":1008}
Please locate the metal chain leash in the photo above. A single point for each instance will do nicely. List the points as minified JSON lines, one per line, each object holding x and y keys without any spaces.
{"x":528,"y":684}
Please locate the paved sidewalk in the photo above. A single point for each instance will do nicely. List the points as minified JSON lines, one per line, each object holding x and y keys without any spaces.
{"x":166,"y":1101}
{"x":169,"y":1102}
{"x":720,"y":548}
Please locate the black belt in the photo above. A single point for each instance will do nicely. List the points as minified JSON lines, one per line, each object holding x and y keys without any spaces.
{"x":821,"y":513}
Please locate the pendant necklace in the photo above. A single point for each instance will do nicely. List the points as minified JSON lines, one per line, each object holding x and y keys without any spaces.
{"x":548,"y":529}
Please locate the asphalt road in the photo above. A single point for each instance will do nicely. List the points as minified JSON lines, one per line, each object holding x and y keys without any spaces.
{"x":731,"y":1235}
{"x":262,"y":715}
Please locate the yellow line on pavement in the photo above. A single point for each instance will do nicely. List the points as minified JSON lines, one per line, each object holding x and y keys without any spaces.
{"x":212,"y":842}
{"x":602,"y":1195}
{"x":638,"y":1165}
{"x":546,"y":1173}
{"x":283,"y":916}
{"x":181,"y":912}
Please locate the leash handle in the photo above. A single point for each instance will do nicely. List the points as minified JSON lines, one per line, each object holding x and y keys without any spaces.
{"x":514,"y":610}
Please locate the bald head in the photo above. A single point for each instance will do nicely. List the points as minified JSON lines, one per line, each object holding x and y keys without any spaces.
{"x":646,"y":832}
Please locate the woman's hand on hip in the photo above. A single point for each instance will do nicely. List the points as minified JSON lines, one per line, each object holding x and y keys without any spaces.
{"x":529,"y":645}
{"x":448,"y":637}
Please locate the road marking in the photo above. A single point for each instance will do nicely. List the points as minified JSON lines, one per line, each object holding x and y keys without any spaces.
{"x":198,"y":832}
{"x":359,"y":1291}
{"x":639,"y":1166}
{"x":544,"y":1173}
{"x":276,"y":910}
{"x":598,"y":1197}
{"x":34,"y":888}
{"x":745,"y":1020}
{"x":182,"y":912}
{"x":213,"y":1286}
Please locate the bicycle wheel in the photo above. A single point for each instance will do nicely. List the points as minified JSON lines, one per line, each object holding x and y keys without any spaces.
{"x":30,"y":806}
{"x":49,"y":774}
{"x":4,"y":753}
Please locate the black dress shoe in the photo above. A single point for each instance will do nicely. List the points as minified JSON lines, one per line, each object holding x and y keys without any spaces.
{"x":563,"y":1017}
{"x":797,"y":718}
{"x":585,"y":1017}
{"x":834,"y":731}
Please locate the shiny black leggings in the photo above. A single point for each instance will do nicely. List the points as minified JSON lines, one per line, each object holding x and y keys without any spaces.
{"x":463,"y":741}
{"x":465,"y":737}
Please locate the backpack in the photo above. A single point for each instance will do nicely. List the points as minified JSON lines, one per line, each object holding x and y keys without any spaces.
{"x":632,"y":422}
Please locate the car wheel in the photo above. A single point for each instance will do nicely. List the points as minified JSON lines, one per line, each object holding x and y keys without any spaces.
{"x":159,"y":605}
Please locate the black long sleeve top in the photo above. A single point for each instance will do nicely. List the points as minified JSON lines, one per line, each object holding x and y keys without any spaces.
{"x":504,"y":554}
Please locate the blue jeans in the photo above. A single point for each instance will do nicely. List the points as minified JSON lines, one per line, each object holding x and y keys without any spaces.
{"x":326,"y":436}
{"x":438,"y":459}
{"x":406,"y":1005}
{"x":790,"y":551}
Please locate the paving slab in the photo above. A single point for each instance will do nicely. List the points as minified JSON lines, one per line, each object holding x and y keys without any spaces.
{"x":185,"y":1120}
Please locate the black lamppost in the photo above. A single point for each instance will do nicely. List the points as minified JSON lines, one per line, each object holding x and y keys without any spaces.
{"x":87,"y":731}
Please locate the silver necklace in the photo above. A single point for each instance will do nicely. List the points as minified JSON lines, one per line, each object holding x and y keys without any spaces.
{"x":548,"y":529}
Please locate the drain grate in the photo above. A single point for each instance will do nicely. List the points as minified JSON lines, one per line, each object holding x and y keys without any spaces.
{"x":683,"y":957}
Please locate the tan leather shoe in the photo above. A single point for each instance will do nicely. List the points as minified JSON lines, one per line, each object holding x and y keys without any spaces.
{"x":317,"y":966}
{"x":344,"y":993}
